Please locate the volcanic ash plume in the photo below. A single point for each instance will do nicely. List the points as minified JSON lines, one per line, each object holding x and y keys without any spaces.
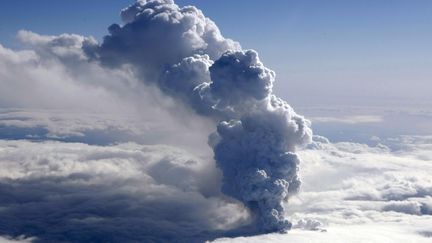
{"x":255,"y":149}
{"x":182,"y":52}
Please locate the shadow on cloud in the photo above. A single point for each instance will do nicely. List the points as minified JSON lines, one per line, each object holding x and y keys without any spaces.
{"x":59,"y":192}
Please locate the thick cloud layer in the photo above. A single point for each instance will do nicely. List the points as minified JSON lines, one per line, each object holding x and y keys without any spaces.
{"x":65,"y":192}
{"x":70,"y":192}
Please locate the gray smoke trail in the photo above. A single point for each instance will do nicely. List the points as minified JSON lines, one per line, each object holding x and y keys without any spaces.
{"x":183,"y":53}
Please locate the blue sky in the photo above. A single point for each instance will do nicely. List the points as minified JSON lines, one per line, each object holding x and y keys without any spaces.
{"x":335,"y":52}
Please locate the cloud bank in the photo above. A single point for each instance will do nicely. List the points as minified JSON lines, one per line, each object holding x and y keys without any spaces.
{"x":69,"y":192}
{"x":55,"y":191}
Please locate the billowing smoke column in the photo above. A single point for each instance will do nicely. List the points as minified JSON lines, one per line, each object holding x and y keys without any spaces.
{"x":183,"y":53}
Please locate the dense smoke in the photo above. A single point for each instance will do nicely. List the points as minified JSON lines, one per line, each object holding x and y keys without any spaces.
{"x":183,"y":53}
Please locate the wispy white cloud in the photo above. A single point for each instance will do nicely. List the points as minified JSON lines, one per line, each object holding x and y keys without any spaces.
{"x":349,"y":119}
